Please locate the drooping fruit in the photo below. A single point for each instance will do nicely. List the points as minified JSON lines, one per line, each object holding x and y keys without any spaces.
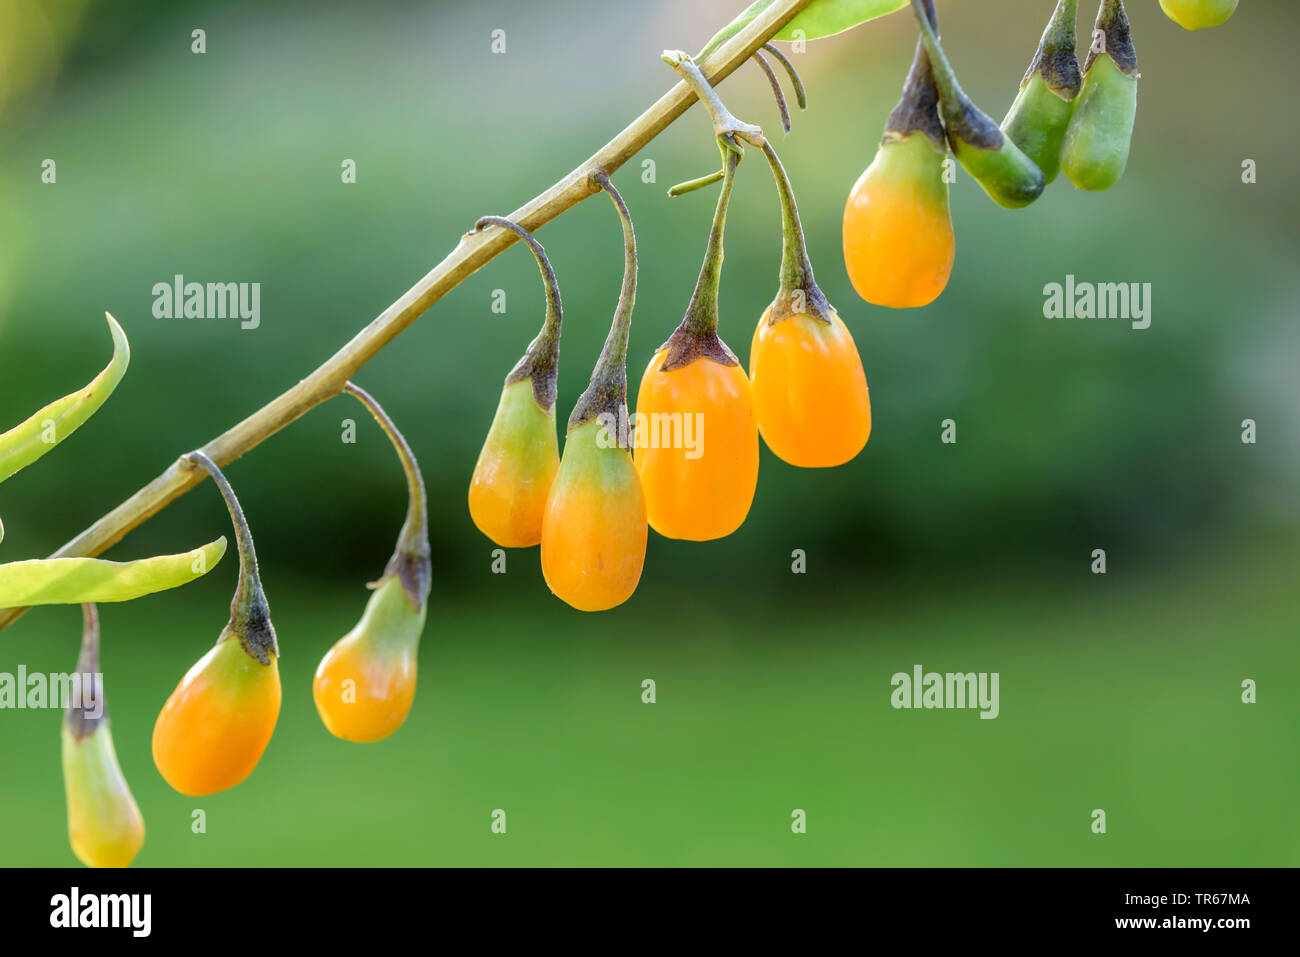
{"x":214,"y":727}
{"x":1096,"y":145}
{"x":519,"y":459}
{"x":1010,"y":178}
{"x":898,"y":237}
{"x":1042,"y":109}
{"x":105,"y":827}
{"x":810,"y":390}
{"x":696,"y":439}
{"x":594,"y":530}
{"x":365,"y":684}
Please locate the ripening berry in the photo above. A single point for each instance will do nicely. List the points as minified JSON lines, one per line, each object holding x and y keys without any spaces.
{"x":898,"y":238}
{"x":213,"y":729}
{"x":699,"y":464}
{"x":810,"y":391}
{"x":365,"y":684}
{"x":507,"y":495}
{"x":104,"y":823}
{"x":594,"y":532}
{"x":1198,"y":14}
{"x":105,"y":827}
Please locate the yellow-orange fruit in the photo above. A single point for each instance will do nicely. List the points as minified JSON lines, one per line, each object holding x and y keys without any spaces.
{"x":105,"y":827}
{"x":696,"y":448}
{"x":365,"y":684}
{"x":518,"y":462}
{"x":810,"y":391}
{"x":898,"y":238}
{"x":594,"y":533}
{"x":213,"y":729}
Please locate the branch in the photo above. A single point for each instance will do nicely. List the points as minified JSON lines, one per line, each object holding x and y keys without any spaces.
{"x":475,"y":250}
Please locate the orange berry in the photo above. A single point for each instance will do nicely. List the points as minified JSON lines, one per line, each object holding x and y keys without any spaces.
{"x":898,"y":238}
{"x":703,"y":489}
{"x":213,"y":729}
{"x":105,"y":827}
{"x":518,"y":462}
{"x":365,"y":684}
{"x":594,"y":532}
{"x":810,"y":392}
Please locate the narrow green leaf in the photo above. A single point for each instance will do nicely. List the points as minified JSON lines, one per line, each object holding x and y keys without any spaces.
{"x":25,"y":443}
{"x":821,"y":18}
{"x":71,"y":581}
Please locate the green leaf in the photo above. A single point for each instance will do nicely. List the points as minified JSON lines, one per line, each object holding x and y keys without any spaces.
{"x":71,"y":581}
{"x":24,"y":444}
{"x":821,"y":18}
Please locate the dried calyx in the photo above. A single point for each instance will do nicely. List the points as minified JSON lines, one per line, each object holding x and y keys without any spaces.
{"x":607,"y":392}
{"x":918,"y":108}
{"x":1055,"y":59}
{"x":250,"y":616}
{"x":1112,"y":37}
{"x":541,"y":360}
{"x":411,"y":559}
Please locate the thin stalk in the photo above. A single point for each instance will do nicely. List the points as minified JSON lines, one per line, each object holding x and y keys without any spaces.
{"x":250,"y":616}
{"x":799,"y":293}
{"x":411,"y":557}
{"x":474,"y":251}
{"x":607,"y":392}
{"x":702,"y":313}
{"x":81,"y":719}
{"x":693,"y":184}
{"x":541,"y":360}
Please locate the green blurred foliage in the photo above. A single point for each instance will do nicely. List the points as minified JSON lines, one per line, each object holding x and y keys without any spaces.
{"x":1071,"y":435}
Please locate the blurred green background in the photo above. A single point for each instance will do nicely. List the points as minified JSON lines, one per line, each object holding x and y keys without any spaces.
{"x":1119,"y":692}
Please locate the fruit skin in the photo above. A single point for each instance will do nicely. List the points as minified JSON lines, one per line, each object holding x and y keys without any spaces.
{"x":1011,"y":179}
{"x":595,"y":530}
{"x":810,"y":391}
{"x":518,"y":463}
{"x":380,"y":656}
{"x":707,"y":496}
{"x":1095,"y":149}
{"x":213,"y":729}
{"x":1037,"y":122}
{"x":1198,"y":14}
{"x":898,"y":236}
{"x":105,"y":827}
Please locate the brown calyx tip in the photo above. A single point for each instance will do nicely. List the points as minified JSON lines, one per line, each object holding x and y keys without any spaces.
{"x":807,"y":300}
{"x":918,"y":108}
{"x":686,"y":345}
{"x":543,"y":377}
{"x":255,"y":632}
{"x":1111,"y":35}
{"x":415,"y":572}
{"x":971,"y":125}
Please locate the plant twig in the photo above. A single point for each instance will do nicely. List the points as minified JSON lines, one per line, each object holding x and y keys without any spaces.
{"x":474,"y":251}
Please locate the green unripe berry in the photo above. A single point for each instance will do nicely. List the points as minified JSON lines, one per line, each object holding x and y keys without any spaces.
{"x":1095,"y":149}
{"x":1042,"y":109}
